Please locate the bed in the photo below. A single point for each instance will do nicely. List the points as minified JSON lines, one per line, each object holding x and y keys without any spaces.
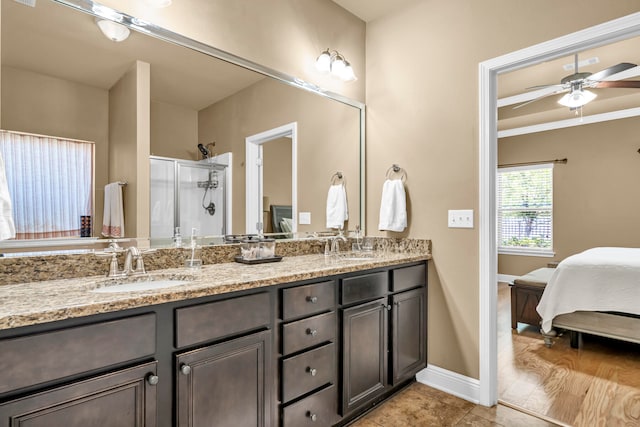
{"x":596,"y":292}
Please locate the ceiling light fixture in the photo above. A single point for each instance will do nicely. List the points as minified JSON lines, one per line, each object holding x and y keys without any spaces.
{"x":159,"y":3}
{"x":334,"y":63}
{"x":112,"y":30}
{"x":577,"y":97}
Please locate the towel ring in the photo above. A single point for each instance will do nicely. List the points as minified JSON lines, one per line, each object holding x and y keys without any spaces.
{"x":338,"y":178}
{"x":394,"y":169}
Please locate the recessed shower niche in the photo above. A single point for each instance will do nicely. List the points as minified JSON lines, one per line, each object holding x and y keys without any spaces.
{"x":189,"y":194}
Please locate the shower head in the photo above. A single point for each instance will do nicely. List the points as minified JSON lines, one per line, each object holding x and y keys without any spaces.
{"x":203,"y":150}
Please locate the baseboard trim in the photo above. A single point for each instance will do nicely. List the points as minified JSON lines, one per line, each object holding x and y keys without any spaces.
{"x":450,"y":382}
{"x":506,"y":278}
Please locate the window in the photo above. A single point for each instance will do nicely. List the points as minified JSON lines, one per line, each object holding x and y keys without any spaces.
{"x":50,"y":183}
{"x":525,"y":210}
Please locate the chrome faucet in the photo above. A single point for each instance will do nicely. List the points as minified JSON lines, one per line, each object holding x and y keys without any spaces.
{"x":131,"y":254}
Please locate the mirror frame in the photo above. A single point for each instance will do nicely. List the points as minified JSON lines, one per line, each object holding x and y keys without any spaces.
{"x":99,"y":10}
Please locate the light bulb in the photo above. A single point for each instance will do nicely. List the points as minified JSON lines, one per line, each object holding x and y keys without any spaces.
{"x":577,"y":98}
{"x":323,"y":63}
{"x":347,"y":73}
{"x":112,"y":30}
{"x":338,"y":65}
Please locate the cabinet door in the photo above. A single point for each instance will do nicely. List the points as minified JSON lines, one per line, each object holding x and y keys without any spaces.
{"x":226,"y":384}
{"x":364,"y":361}
{"x":408,"y":340}
{"x":125,"y":398}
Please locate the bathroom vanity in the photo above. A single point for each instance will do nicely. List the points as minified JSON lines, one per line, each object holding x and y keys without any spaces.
{"x":307,"y":341}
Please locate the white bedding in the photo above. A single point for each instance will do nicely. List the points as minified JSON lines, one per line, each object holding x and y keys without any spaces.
{"x":598,"y":279}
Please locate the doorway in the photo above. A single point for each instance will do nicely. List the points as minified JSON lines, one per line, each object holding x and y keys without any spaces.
{"x":255,"y":176}
{"x":599,"y":35}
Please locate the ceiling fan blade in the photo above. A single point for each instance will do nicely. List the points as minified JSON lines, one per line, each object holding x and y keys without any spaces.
{"x":538,"y":98}
{"x":635,"y":84}
{"x":611,"y":70}
{"x":559,"y":86}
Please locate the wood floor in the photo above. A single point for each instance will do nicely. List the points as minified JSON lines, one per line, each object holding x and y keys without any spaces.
{"x":422,"y":406}
{"x":598,"y":385}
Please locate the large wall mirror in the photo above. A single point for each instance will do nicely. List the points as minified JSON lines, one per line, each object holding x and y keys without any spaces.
{"x":158,"y":96}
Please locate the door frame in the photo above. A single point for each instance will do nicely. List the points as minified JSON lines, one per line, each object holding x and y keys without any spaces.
{"x":254,"y":176}
{"x":608,"y":32}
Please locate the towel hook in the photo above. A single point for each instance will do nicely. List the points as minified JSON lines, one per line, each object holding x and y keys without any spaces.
{"x":396,"y":169}
{"x":337,"y":178}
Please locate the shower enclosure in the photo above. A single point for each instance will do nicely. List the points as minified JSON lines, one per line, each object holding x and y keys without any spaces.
{"x":187,"y":194}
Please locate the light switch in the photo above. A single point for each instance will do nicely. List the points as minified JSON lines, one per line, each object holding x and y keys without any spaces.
{"x":461,"y":218}
{"x":304,"y":218}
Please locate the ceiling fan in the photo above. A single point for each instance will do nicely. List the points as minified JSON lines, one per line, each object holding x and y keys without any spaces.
{"x":575,"y":85}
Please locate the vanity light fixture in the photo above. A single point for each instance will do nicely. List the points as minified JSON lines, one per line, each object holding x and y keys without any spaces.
{"x":336,"y":64}
{"x":112,"y":30}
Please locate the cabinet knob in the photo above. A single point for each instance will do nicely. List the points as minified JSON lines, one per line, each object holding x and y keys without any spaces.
{"x":311,"y":415}
{"x":388,"y":307}
{"x":312,"y":371}
{"x":311,"y":332}
{"x":152,"y":379}
{"x":312,"y":300}
{"x":185,"y":369}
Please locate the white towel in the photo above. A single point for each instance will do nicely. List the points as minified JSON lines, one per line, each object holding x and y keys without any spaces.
{"x":7,"y":226}
{"x":337,"y":212}
{"x":393,"y":206}
{"x":113,"y":219}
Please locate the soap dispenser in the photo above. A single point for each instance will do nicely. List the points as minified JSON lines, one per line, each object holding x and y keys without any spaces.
{"x":193,"y":257}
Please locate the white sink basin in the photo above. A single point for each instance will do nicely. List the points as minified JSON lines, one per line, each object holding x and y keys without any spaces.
{"x":140,"y":283}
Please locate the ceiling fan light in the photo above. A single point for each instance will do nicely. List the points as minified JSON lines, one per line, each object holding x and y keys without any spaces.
{"x":323,"y":62}
{"x":112,"y":30}
{"x":577,"y":98}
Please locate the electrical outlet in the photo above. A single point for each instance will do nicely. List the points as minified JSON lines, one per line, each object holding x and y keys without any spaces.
{"x":461,"y":218}
{"x":304,"y":218}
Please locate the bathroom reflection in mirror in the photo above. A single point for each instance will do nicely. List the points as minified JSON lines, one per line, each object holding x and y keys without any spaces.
{"x":62,"y":77}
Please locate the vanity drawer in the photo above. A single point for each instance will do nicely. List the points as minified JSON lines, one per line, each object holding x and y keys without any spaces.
{"x":35,"y":359}
{"x":365,"y":287}
{"x":408,"y":277}
{"x":319,"y":410}
{"x":207,"y":322}
{"x":308,"y":371}
{"x":309,"y":299}
{"x":308,"y":332}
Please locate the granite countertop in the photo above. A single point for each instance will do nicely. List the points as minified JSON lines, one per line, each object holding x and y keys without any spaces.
{"x":46,"y":301}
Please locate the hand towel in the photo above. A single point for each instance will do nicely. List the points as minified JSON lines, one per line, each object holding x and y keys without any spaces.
{"x":393,"y":206}
{"x":337,"y":212}
{"x":7,"y":226}
{"x":113,"y":219}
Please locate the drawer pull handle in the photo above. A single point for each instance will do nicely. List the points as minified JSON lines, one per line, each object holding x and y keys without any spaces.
{"x":312,"y":332}
{"x":185,"y":369}
{"x":311,"y":415}
{"x":312,"y":371}
{"x":152,"y":379}
{"x":312,"y":300}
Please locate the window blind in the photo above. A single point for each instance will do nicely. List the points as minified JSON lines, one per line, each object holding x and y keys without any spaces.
{"x":525,"y":208}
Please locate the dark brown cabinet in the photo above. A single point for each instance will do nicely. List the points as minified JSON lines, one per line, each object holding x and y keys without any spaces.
{"x":125,"y":398}
{"x":226,"y":384}
{"x":408,"y":334}
{"x":364,"y":357}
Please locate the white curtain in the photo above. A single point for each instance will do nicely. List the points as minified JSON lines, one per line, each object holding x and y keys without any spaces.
{"x":50,"y":181}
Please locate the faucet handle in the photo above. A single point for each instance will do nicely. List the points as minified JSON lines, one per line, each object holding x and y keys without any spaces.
{"x":114,"y":269}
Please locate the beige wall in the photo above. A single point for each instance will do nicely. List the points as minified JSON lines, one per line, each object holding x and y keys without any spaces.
{"x":174,"y":131}
{"x":422,"y":74}
{"x":328,"y":135}
{"x":277,"y":176}
{"x":40,"y":104}
{"x":287,"y":35}
{"x":129,"y":118}
{"x":595,"y":199}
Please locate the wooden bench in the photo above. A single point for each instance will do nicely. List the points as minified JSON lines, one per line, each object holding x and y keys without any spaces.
{"x":526,"y":292}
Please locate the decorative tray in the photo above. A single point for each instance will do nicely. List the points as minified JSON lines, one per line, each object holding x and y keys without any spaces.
{"x":258,"y":260}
